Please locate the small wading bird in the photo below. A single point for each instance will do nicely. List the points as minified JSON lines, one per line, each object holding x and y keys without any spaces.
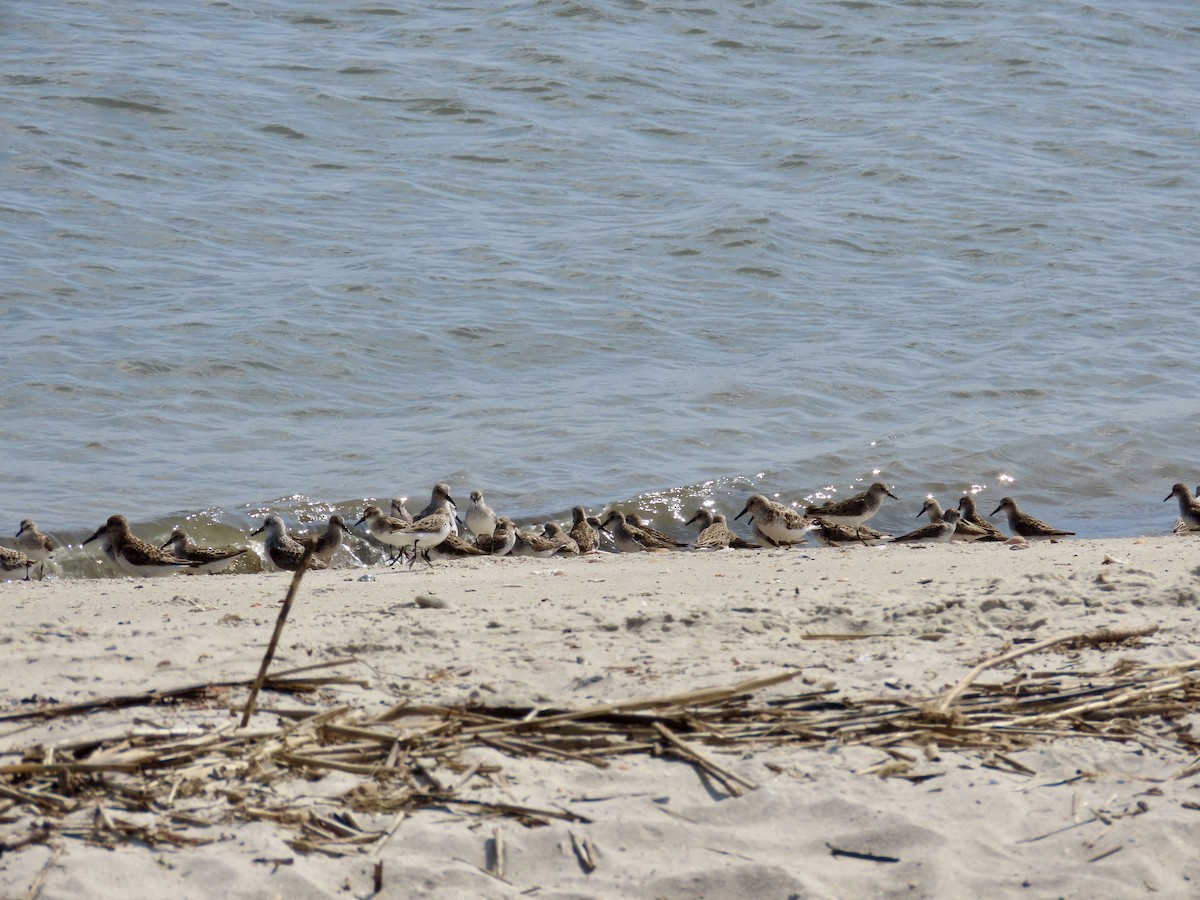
{"x":1189,"y":509}
{"x":207,"y":559}
{"x":130,"y":554}
{"x":715,"y":533}
{"x":775,"y":522}
{"x":1026,"y":526}
{"x":853,"y":511}
{"x":284,"y":551}
{"x":35,"y":545}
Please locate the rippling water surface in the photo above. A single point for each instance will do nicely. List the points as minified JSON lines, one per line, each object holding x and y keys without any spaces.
{"x":297,"y":255}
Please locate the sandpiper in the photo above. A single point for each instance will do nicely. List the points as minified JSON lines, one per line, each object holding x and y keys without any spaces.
{"x":940,"y":531}
{"x":1026,"y":526}
{"x":454,"y":547}
{"x":481,"y":518}
{"x":207,"y":559}
{"x":530,"y":543}
{"x":629,"y":538}
{"x":971,"y":516}
{"x":441,"y":501}
{"x":131,"y":554}
{"x":715,"y":533}
{"x":34,"y":544}
{"x":556,"y":534}
{"x":423,"y":535}
{"x":660,"y":536}
{"x":284,"y":551}
{"x":327,"y":542}
{"x":400,"y":511}
{"x":504,"y":538}
{"x":853,"y":511}
{"x":382,"y":527}
{"x":780,"y":525}
{"x":1189,"y":508}
{"x":582,"y":531}
{"x":964,"y":531}
{"x":12,"y":560}
{"x":840,"y":535}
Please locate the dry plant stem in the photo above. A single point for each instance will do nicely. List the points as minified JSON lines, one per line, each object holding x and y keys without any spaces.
{"x":1091,"y":637}
{"x":279,"y":623}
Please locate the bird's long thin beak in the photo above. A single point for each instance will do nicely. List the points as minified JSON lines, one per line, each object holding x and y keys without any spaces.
{"x":745,"y":509}
{"x":99,"y":531}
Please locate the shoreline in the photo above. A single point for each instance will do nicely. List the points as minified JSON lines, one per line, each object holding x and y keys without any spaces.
{"x":856,"y":624}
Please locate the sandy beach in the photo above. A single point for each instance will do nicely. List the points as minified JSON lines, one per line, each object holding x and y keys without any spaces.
{"x":1101,"y":802}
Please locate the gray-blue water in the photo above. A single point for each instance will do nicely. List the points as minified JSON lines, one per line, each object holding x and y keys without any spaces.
{"x":296,"y":255}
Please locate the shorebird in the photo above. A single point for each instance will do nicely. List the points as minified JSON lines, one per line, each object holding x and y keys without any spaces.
{"x":659,"y":536}
{"x":382,"y":527}
{"x":284,"y":551}
{"x":630,"y":538}
{"x":853,"y":511}
{"x":327,"y":543}
{"x":967,"y":532}
{"x":777,"y":523}
{"x":454,"y":547}
{"x":400,"y":511}
{"x":131,"y":554}
{"x":1026,"y":526}
{"x":582,"y":531}
{"x":35,"y":545}
{"x":441,"y":501}
{"x":529,"y":543}
{"x":207,"y":559}
{"x":940,"y":531}
{"x":12,"y":560}
{"x":504,"y":538}
{"x":423,"y":535}
{"x":556,"y":534}
{"x":481,"y":518}
{"x":971,"y":516}
{"x":1189,"y":508}
{"x":838,"y":535}
{"x":715,"y":533}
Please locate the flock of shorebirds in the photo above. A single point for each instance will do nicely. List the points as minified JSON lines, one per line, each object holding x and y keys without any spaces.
{"x":435,"y":533}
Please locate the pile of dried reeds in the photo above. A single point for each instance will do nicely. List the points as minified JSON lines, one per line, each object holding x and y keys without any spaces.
{"x":157,"y":784}
{"x":171,"y":781}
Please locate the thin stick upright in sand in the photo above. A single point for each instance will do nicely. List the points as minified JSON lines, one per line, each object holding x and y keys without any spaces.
{"x":279,"y":623}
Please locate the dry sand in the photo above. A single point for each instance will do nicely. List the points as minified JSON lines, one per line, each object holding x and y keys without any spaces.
{"x":577,"y":632}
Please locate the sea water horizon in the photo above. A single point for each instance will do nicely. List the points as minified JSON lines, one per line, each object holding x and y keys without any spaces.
{"x":282,"y":256}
